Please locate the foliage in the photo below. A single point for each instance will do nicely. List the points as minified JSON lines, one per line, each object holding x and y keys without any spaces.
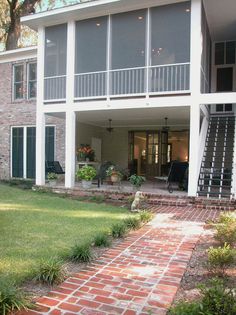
{"x":219,"y":259}
{"x":81,"y":253}
{"x":185,"y":308}
{"x":20,"y":183}
{"x":227,"y":217}
{"x":132,"y":223}
{"x":52,"y":176}
{"x":217,"y":299}
{"x":118,"y":230}
{"x":226,"y":233}
{"x":11,"y":298}
{"x":97,"y":199}
{"x":50,"y":272}
{"x":114,"y":170}
{"x":137,"y":180}
{"x":85,"y":151}
{"x":102,"y":240}
{"x":145,"y":216}
{"x":86,"y":172}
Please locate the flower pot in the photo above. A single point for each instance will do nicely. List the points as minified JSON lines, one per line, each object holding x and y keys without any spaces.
{"x":86,"y":184}
{"x":52,"y":182}
{"x":115,"y":178}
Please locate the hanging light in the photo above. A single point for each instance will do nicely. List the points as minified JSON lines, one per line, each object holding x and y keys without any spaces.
{"x":109,"y":128}
{"x":166,"y":127}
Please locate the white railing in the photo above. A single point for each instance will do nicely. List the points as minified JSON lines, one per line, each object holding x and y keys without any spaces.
{"x":172,"y":78}
{"x":128,"y":81}
{"x":55,"y":88}
{"x":169,"y":78}
{"x":92,"y":84}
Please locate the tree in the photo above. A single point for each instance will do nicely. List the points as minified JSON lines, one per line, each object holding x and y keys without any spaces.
{"x":12,"y":10}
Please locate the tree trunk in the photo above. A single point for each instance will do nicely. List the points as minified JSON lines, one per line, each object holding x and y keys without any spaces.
{"x":13,"y":35}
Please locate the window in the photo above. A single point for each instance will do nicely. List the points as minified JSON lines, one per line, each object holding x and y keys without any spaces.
{"x":128,"y":39}
{"x":24,"y":163}
{"x":170,"y":37}
{"x":18,"y":79}
{"x":32,"y":80}
{"x":225,"y":53}
{"x":224,"y":108}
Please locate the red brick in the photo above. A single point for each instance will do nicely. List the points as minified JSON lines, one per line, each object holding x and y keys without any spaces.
{"x":88,"y":303}
{"x":70,"y":307}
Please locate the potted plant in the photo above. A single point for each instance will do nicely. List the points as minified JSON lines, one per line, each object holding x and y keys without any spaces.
{"x":137,"y":181}
{"x":86,"y":174}
{"x":114,"y":173}
{"x":52,"y":177}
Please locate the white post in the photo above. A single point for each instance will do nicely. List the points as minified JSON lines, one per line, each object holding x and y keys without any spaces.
{"x":195,"y":86}
{"x":70,"y":149}
{"x":70,"y":114}
{"x":40,"y":116}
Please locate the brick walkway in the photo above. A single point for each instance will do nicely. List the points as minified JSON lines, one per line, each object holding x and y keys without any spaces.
{"x":139,"y":276}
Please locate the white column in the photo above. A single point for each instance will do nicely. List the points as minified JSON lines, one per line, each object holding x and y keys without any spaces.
{"x":70,"y":149}
{"x":40,"y":116}
{"x":195,"y":86}
{"x":70,"y":114}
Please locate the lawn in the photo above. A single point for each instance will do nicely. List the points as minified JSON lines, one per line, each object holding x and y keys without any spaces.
{"x":36,"y":226}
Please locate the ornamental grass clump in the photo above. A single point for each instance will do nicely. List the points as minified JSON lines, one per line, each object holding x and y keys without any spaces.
{"x":102,"y":239}
{"x":226,"y":233}
{"x":146,"y":216}
{"x":81,"y":253}
{"x":227,"y":217}
{"x":132,"y":223}
{"x":11,"y":298}
{"x":220,"y":259}
{"x":118,"y":230}
{"x":51,"y":272}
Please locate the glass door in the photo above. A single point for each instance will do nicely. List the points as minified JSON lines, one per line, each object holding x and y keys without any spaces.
{"x":153,"y":154}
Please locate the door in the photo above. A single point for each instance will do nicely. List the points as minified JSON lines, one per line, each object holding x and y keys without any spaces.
{"x":225,"y":79}
{"x":18,"y":152}
{"x":153,"y":156}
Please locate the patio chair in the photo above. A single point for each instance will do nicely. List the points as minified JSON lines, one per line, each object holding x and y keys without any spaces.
{"x":178,"y":174}
{"x":102,"y":172}
{"x":54,"y":167}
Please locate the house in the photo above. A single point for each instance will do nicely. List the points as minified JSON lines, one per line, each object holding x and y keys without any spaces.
{"x":161,"y":73}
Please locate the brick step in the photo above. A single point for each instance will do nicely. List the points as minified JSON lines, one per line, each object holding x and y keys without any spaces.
{"x":169,"y":202}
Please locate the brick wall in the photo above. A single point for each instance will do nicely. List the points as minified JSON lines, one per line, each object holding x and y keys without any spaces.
{"x":20,"y":113}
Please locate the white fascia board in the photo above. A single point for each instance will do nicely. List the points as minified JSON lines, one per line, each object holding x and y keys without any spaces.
{"x":18,"y":54}
{"x":87,"y":10}
{"x":218,"y":98}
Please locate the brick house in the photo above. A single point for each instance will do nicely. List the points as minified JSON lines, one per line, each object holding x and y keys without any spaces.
{"x":144,"y":82}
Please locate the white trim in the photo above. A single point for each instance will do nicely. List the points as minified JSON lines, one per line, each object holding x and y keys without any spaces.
{"x":18,"y":54}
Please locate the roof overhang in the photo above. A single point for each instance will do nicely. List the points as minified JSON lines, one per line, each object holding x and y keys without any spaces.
{"x":87,"y":10}
{"x":18,"y":54}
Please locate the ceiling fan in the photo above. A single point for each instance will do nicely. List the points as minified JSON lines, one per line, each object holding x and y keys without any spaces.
{"x":109,"y":128}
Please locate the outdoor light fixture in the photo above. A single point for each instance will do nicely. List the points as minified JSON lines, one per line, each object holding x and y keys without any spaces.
{"x":166,"y":127}
{"x":109,"y":128}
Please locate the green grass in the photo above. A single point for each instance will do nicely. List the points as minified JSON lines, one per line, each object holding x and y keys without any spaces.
{"x":36,"y":226}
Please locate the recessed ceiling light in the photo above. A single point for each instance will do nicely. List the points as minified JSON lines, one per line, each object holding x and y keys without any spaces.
{"x":140,"y":17}
{"x":98,"y":24}
{"x":187,"y":10}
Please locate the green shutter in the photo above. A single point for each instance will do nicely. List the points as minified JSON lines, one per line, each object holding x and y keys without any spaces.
{"x":17,"y":152}
{"x":31,"y":152}
{"x":49,"y":143}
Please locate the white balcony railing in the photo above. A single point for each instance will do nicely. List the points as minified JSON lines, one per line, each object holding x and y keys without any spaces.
{"x":55,"y":88}
{"x":173,"y":78}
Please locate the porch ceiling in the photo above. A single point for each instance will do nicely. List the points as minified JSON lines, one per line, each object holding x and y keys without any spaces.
{"x":221,"y":19}
{"x":149,"y":117}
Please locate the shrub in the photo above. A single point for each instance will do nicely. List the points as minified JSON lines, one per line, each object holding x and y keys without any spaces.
{"x":217,"y":299}
{"x":137,"y":180}
{"x":118,"y":230}
{"x":86,"y":173}
{"x":226,"y":233}
{"x":11,"y":298}
{"x":97,"y":199}
{"x":102,"y":240}
{"x":132,"y":223}
{"x":81,"y":253}
{"x":146,"y":216}
{"x":227,"y":217}
{"x":52,"y":176}
{"x":185,"y":308}
{"x":219,"y":259}
{"x":51,"y":272}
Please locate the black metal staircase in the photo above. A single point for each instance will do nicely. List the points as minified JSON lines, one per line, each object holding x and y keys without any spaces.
{"x":215,"y":179}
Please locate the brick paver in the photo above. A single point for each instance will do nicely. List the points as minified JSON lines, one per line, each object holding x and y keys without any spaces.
{"x":140,"y":276}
